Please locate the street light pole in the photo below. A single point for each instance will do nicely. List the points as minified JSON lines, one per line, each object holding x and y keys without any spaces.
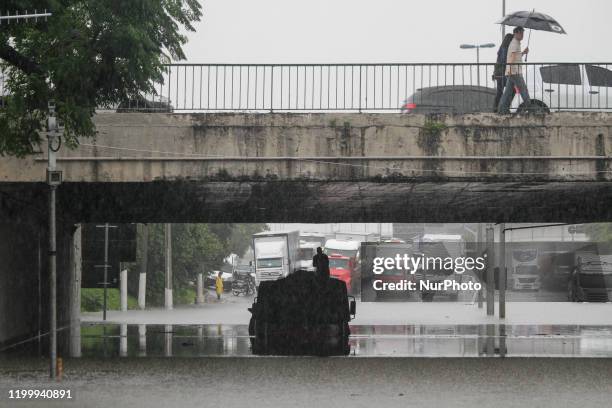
{"x":478,"y":65}
{"x":503,"y":15}
{"x":478,"y":47}
{"x":52,"y":283}
{"x":54,"y":179}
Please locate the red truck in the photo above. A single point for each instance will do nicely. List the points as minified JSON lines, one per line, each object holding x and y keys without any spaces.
{"x":340,"y":267}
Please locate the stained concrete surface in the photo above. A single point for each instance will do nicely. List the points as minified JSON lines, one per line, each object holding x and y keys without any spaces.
{"x":319,"y":382}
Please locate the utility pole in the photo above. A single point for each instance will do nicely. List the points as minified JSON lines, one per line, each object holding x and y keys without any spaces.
{"x":106,"y":227}
{"x":142,"y":281}
{"x":54,"y":179}
{"x":168,"y":246}
{"x":502,"y":271}
{"x":105,"y":270}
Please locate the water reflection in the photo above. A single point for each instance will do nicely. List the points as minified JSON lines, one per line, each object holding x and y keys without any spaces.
{"x":110,"y":340}
{"x":142,"y":340}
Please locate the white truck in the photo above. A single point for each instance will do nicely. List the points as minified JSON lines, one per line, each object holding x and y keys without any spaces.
{"x":276,"y":255}
{"x":525,"y":269}
{"x":441,"y":245}
{"x":357,"y":236}
{"x":306,"y":252}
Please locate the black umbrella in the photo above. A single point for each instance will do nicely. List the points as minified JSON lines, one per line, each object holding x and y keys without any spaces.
{"x":532,"y":21}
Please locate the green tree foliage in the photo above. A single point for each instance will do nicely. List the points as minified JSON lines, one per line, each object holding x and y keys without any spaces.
{"x":90,"y":53}
{"x":599,"y":232}
{"x":196,"y":248}
{"x":241,"y":236}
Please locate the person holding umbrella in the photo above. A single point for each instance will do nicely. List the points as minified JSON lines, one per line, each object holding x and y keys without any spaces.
{"x":514,"y":75}
{"x":522,"y":20}
{"x":499,"y":74}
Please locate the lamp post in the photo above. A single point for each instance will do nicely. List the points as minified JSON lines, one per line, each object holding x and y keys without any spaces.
{"x":54,"y":179}
{"x":503,"y":15}
{"x":478,"y":47}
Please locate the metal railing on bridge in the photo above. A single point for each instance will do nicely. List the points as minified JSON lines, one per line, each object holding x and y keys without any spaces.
{"x":420,"y":87}
{"x":431,"y":87}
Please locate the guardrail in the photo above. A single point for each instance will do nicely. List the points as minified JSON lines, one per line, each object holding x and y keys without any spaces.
{"x":398,"y":87}
{"x":421,"y":87}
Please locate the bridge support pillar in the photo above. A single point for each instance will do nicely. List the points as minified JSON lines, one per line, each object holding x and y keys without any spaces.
{"x":200,"y":289}
{"x":123,"y":281}
{"x":502,"y":271}
{"x":75,"y":270}
{"x":168,"y":247}
{"x":490,"y":271}
{"x":142,"y":279}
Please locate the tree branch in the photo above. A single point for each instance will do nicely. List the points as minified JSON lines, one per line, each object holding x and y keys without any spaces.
{"x":21,"y":62}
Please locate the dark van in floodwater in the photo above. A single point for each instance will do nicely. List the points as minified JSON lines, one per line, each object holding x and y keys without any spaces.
{"x":301,"y":314}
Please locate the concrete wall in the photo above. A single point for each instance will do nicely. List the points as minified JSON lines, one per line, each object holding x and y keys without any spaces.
{"x":21,"y":275}
{"x":146,"y":147}
{"x":24,"y":282}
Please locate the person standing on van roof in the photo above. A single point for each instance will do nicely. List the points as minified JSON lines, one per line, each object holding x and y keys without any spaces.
{"x":514,"y":76}
{"x":321,"y":262}
{"x":499,"y":74}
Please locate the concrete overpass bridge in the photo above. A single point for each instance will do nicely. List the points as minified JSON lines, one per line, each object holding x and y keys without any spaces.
{"x":330,"y":167}
{"x":283,"y":167}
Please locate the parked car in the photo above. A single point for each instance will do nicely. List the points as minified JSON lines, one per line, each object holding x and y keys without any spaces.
{"x":551,"y":87}
{"x":146,"y":104}
{"x":572,"y":86}
{"x":457,"y":99}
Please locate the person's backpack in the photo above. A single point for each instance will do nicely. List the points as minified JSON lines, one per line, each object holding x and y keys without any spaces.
{"x":500,"y":65}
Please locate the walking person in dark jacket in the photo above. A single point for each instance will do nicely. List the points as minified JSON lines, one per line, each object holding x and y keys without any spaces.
{"x":514,"y":73}
{"x":321,"y":262}
{"x":499,"y":74}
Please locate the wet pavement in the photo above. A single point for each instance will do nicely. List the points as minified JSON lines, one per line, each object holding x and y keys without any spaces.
{"x":315,"y":382}
{"x":218,"y":340}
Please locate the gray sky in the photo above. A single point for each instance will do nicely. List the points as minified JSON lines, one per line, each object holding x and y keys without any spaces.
{"x":321,"y":31}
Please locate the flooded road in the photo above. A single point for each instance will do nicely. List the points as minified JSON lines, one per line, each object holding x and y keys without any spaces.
{"x":218,"y":340}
